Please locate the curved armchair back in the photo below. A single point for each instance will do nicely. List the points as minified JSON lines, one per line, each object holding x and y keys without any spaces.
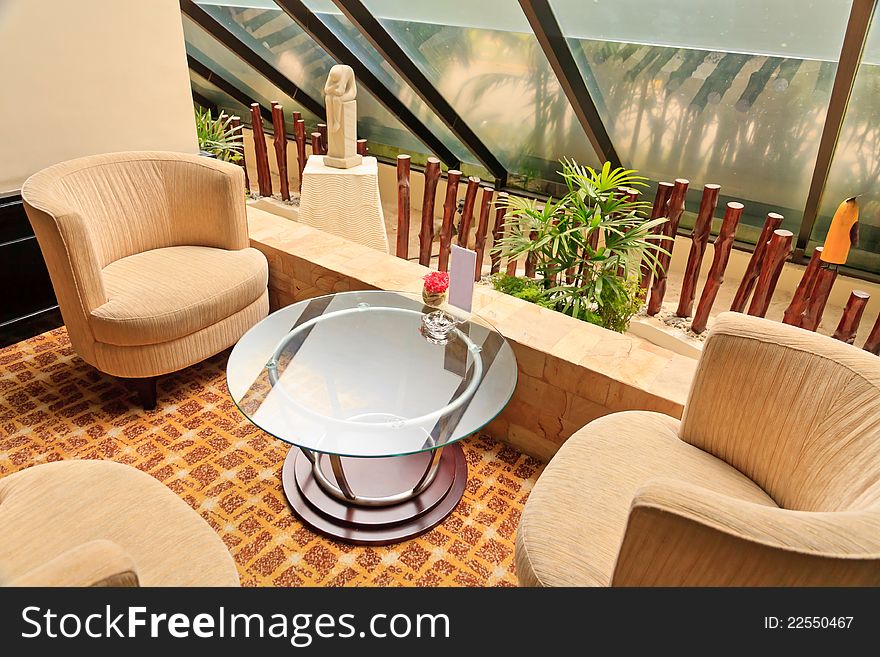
{"x":92,"y":211}
{"x":133,"y":202}
{"x":796,"y":412}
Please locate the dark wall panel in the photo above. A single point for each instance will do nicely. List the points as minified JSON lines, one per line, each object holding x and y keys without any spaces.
{"x":27,"y":290}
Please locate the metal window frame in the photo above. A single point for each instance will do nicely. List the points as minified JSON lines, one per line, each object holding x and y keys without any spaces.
{"x":386,"y":45}
{"x":555,"y":46}
{"x":251,"y":58}
{"x":223,"y":85}
{"x":324,"y":37}
{"x":847,"y":68}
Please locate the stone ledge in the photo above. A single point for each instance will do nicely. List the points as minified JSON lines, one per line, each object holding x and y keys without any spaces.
{"x":570,"y":372}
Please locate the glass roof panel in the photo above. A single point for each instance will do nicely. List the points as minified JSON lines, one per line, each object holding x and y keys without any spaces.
{"x":271,"y":34}
{"x":733,"y":93}
{"x":208,"y":51}
{"x":493,"y":72}
{"x":802,"y":29}
{"x":855,"y":168}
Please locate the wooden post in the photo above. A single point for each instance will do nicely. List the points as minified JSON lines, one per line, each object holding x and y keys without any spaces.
{"x":403,"y":206}
{"x":299,"y":134}
{"x":235,"y":122}
{"x":699,"y":240}
{"x":279,"y":140}
{"x":322,"y":128}
{"x":872,"y":344}
{"x":467,"y":212}
{"x":593,"y":239}
{"x":264,"y":178}
{"x":798,"y":303}
{"x":426,"y":234}
{"x":317,"y":148}
{"x":498,"y":231}
{"x":362,"y":147}
{"x":530,"y":258}
{"x":296,"y":116}
{"x":664,"y":189}
{"x":715,"y":279}
{"x":449,"y":205}
{"x":771,"y":266}
{"x":851,"y":317}
{"x":483,"y":229}
{"x":772,"y":222}
{"x":674,"y":210}
{"x":812,"y":317}
{"x":621,"y":194}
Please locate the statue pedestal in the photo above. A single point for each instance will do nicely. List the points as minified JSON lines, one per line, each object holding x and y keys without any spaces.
{"x":343,"y":162}
{"x":344,"y":202}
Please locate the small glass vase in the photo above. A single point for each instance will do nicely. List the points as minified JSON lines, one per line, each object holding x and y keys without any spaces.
{"x":437,"y":325}
{"x":434,"y":299}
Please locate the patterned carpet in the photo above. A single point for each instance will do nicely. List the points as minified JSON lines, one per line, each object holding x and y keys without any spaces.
{"x":54,"y":406}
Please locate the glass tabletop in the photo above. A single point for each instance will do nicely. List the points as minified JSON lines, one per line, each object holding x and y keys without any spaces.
{"x":358,"y":374}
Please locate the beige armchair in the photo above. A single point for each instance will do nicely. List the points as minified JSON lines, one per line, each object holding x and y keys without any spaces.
{"x":772,"y":478}
{"x":100,"y":523}
{"x":149,"y":257}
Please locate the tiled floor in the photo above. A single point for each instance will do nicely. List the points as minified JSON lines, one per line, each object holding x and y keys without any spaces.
{"x":54,"y":406}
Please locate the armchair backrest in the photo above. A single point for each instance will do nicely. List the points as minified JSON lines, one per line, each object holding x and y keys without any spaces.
{"x":90,"y":212}
{"x":136,"y":201}
{"x":797,"y":412}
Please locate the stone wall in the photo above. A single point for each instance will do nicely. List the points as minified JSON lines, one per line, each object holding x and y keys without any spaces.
{"x":570,"y":372}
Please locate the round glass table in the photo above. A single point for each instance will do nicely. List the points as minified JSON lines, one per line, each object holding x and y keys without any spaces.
{"x":372,"y":389}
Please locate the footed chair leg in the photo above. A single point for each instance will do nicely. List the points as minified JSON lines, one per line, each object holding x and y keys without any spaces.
{"x":146,"y":392}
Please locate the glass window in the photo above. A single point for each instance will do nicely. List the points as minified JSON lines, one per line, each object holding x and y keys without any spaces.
{"x":278,"y":39}
{"x":487,"y":63}
{"x":855,"y":168}
{"x":733,"y":93}
{"x":205,"y":49}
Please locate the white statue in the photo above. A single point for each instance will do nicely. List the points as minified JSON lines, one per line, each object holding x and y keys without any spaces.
{"x":339,"y":98}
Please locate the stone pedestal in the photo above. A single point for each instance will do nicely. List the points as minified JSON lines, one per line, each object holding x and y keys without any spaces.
{"x":344,"y":202}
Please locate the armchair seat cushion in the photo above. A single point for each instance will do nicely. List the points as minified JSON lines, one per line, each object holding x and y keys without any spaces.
{"x":576,"y":516}
{"x":164,"y":294}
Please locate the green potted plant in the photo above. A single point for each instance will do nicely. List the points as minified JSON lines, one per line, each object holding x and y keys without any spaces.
{"x":587,"y":247}
{"x":218,"y":138}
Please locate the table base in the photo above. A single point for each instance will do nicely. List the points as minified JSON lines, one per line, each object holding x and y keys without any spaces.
{"x":375,"y":477}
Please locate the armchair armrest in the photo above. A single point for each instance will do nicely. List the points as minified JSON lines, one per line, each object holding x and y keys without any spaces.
{"x":70,"y":254}
{"x":684,"y":535}
{"x":96,"y":563}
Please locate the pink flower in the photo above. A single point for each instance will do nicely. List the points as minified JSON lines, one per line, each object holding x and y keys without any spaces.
{"x":436,"y":282}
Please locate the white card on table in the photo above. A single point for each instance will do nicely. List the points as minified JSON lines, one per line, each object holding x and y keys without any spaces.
{"x":462,"y":267}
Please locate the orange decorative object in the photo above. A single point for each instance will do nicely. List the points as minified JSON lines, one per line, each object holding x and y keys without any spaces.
{"x":843,"y":233}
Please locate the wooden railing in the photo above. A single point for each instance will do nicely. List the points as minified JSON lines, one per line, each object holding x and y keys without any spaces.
{"x":754,"y":291}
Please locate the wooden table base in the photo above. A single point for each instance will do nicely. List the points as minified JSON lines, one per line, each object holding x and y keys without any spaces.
{"x":375,"y":477}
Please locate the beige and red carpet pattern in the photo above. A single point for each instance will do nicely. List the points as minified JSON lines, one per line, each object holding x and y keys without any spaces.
{"x":54,"y":406}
